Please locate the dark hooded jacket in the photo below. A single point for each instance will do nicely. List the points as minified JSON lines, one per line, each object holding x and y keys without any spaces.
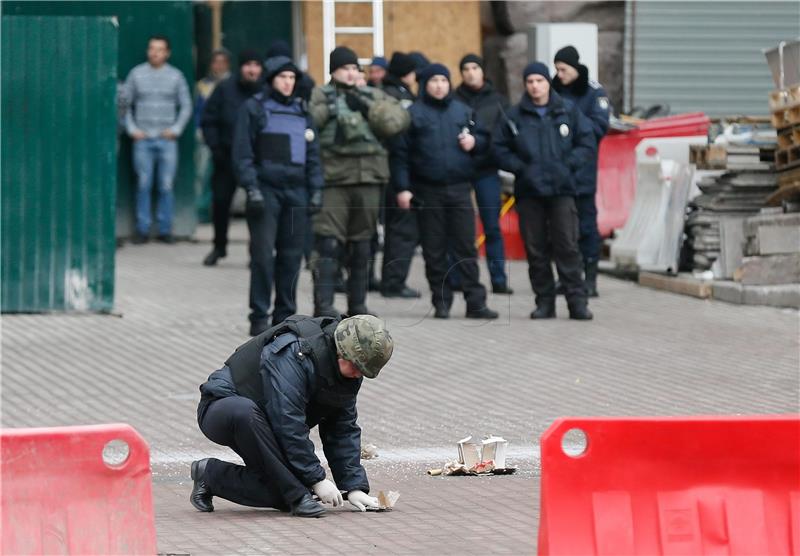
{"x":394,"y":87}
{"x":271,"y":143}
{"x":548,"y":150}
{"x":221,"y":110}
{"x":592,"y":100}
{"x":428,"y":153}
{"x":296,"y":398}
{"x":486,"y":104}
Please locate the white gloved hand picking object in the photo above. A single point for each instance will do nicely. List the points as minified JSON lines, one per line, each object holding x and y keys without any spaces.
{"x":328,"y":493}
{"x":362,"y":500}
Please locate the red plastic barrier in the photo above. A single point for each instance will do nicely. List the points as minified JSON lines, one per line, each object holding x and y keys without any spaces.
{"x":512,"y":241}
{"x":616,"y":165}
{"x":673,"y":486}
{"x":60,"y":497}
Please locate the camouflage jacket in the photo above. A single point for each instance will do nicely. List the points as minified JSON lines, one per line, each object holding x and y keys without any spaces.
{"x":368,"y":161}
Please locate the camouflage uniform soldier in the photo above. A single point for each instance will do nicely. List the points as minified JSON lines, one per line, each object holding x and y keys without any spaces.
{"x":262,"y":403}
{"x":353,"y":122}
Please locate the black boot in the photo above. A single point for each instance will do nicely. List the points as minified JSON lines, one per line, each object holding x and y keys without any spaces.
{"x":201,"y":495}
{"x":325,"y":269}
{"x":215,"y":255}
{"x":579,"y":310}
{"x":307,"y":507}
{"x":482,"y":313}
{"x":545,"y":308}
{"x":590,"y":280}
{"x":357,"y":277}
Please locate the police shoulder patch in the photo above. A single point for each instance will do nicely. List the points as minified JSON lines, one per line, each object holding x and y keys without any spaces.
{"x":563,"y":130}
{"x":602,"y":102}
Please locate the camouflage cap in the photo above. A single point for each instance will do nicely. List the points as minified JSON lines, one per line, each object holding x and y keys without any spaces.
{"x":364,"y":341}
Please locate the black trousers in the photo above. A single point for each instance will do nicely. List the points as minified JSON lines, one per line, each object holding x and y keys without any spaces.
{"x":447,"y":224}
{"x":277,"y":238}
{"x":400,"y":240}
{"x":549,"y":228}
{"x":223,"y":188}
{"x":265,"y":480}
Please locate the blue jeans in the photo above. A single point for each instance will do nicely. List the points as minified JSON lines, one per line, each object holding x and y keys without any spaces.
{"x":147,"y":154}
{"x":487,"y":194}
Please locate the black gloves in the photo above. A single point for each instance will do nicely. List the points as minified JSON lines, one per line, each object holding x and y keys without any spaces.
{"x":255,"y":203}
{"x":357,"y":103}
{"x":315,"y":202}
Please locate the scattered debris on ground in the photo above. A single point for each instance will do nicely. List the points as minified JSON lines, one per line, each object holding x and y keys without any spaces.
{"x":485,"y":457}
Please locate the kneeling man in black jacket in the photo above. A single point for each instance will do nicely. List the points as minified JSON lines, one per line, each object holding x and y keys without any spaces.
{"x":434,"y":162}
{"x":301,"y":373}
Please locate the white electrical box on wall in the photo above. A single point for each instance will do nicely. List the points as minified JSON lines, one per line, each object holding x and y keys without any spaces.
{"x":545,"y":39}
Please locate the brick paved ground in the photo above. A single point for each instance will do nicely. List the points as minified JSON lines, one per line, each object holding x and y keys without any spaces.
{"x":647,"y":353}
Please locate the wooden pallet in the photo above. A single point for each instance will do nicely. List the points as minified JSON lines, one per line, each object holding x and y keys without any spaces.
{"x":787,"y":158}
{"x":785,"y":117}
{"x":708,"y":157}
{"x":781,"y":98}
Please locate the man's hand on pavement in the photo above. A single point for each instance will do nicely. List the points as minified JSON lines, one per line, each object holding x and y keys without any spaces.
{"x":328,"y":493}
{"x":362,"y":500}
{"x":404,"y":199}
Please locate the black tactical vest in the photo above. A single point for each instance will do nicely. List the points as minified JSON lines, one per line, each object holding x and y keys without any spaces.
{"x":316,"y":342}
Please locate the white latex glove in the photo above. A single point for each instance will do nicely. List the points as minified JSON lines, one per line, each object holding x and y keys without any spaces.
{"x":362,"y":500}
{"x":328,"y":493}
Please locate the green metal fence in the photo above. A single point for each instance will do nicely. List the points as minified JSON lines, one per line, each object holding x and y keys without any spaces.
{"x":137,"y":21}
{"x":58,"y":163}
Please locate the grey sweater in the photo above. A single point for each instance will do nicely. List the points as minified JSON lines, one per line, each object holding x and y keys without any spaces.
{"x":158,"y":99}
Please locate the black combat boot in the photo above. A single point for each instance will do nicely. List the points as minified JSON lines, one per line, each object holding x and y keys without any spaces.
{"x":201,"y":495}
{"x":590,"y":279}
{"x":579,"y":309}
{"x":215,"y":255}
{"x":307,"y":507}
{"x":545,"y":308}
{"x":326,"y":267}
{"x":357,"y":277}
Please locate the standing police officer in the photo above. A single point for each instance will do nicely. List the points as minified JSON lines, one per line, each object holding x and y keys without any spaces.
{"x":302,"y":373}
{"x":276,"y":155}
{"x":219,"y":119}
{"x":435,"y":162}
{"x":572,"y":83}
{"x":402,"y":230}
{"x":480,"y":95}
{"x":352,"y":121}
{"x":544,"y":141}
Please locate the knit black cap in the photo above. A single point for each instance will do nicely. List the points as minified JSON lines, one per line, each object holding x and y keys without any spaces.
{"x":568,"y":55}
{"x":401,"y":64}
{"x":341,"y":56}
{"x":249,"y":55}
{"x":430,"y":70}
{"x":279,"y":47}
{"x":537,"y":68}
{"x":277,"y":64}
{"x":470,"y":59}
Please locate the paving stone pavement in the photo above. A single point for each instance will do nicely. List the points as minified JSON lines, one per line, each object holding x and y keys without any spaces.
{"x":175,"y":321}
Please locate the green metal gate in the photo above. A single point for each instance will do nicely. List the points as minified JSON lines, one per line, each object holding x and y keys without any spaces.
{"x":137,"y":21}
{"x":58,"y":163}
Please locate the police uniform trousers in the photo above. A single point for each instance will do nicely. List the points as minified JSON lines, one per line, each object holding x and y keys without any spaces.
{"x":265,"y":480}
{"x":549,"y":229}
{"x":400,"y":242}
{"x":277,"y":238}
{"x":223,"y":188}
{"x":447,"y":223}
{"x":589,"y":236}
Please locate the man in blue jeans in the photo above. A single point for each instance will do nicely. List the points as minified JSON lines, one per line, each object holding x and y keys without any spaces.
{"x":159,"y":108}
{"x":479,"y":94}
